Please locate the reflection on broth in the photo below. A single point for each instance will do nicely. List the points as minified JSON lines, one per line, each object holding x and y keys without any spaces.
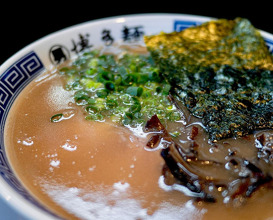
{"x":85,"y":141}
{"x":85,"y":169}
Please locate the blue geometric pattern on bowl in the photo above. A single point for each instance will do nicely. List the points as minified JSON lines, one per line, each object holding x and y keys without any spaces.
{"x":15,"y":78}
{"x":12,"y":81}
{"x":269,"y":44}
{"x":179,"y":25}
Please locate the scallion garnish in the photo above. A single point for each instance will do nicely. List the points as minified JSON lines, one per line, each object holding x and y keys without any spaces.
{"x":56,"y":118}
{"x":127,"y":90}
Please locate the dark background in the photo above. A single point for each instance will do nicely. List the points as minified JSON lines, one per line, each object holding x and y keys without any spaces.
{"x":22,"y":23}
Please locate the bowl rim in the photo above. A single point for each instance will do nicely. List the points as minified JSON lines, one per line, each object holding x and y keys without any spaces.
{"x":7,"y":193}
{"x":48,"y":36}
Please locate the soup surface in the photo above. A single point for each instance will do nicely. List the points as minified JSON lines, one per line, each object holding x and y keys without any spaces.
{"x":84,"y":169}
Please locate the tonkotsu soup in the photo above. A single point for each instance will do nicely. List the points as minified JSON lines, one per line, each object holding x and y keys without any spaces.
{"x":76,"y":140}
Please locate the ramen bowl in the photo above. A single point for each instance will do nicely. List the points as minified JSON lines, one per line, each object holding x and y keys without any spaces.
{"x":52,"y":50}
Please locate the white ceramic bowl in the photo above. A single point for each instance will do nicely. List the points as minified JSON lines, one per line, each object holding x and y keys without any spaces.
{"x":41,"y":55}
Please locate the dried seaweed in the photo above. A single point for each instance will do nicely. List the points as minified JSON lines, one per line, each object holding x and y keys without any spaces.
{"x":222,"y":72}
{"x":232,"y":103}
{"x":212,"y":44}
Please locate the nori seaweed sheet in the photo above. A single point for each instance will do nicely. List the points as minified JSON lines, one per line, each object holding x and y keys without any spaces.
{"x":222,"y":72}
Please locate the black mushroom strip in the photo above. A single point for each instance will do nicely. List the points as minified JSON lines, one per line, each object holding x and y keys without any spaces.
{"x":227,"y":178}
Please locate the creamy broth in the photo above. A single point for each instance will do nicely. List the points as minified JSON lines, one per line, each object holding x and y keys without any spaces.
{"x":85,"y":170}
{"x":80,"y":168}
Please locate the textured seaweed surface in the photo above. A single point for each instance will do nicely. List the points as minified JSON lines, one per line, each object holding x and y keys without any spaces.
{"x":222,"y":72}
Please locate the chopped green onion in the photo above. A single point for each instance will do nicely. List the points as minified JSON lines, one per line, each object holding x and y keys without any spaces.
{"x":102,"y":93}
{"x":57,"y":118}
{"x":127,"y":89}
{"x":134,"y":91}
{"x":111,"y":103}
{"x":81,"y":94}
{"x":110,"y":86}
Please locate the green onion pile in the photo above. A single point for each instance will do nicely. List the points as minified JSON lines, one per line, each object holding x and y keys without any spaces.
{"x":126,"y":89}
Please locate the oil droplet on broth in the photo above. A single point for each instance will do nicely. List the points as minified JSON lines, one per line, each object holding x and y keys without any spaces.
{"x":88,"y":170}
{"x":74,"y":166}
